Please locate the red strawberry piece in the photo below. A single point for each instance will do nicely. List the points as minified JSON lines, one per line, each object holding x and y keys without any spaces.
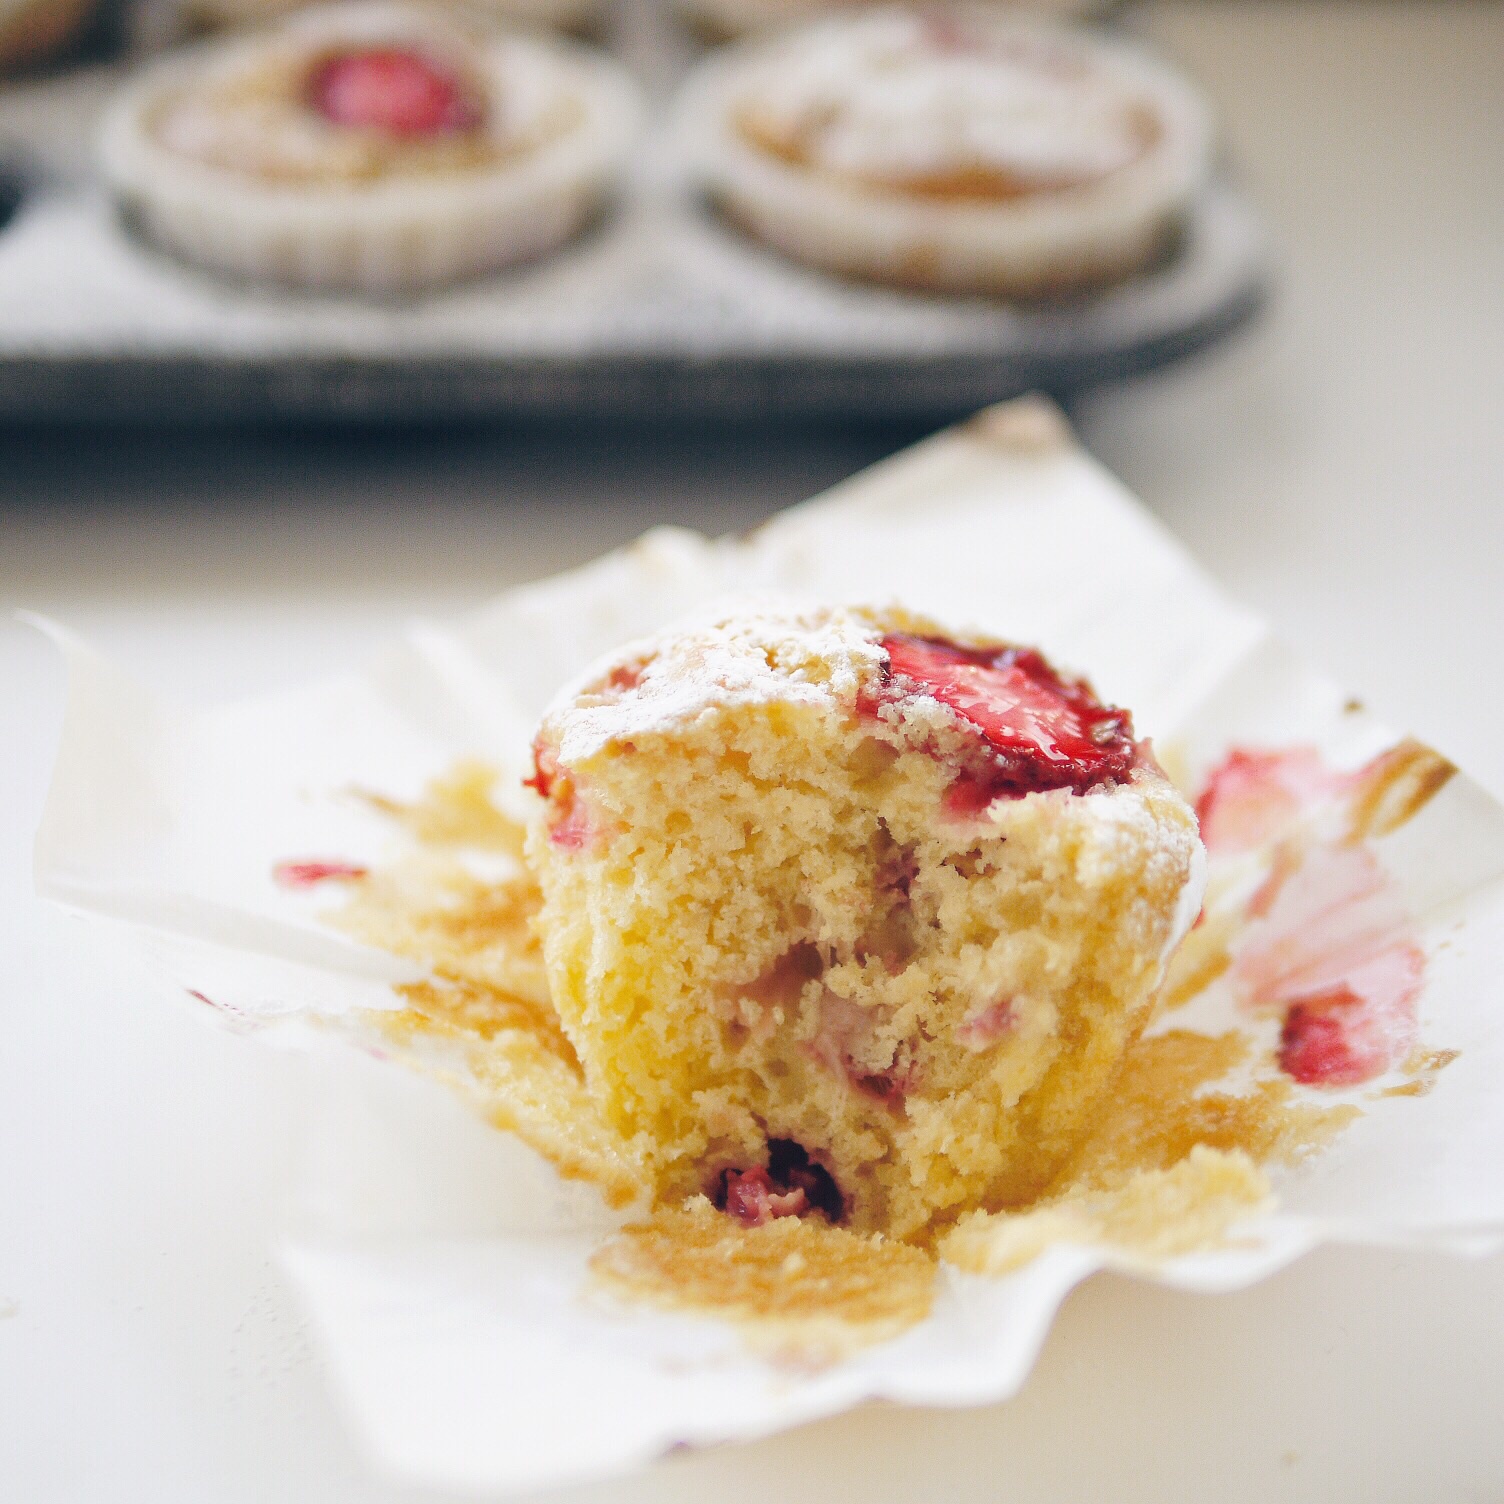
{"x":790,"y":1185}
{"x":545,"y":770}
{"x":1322,"y":1042}
{"x":394,"y":90}
{"x":569,"y":823}
{"x":1043,"y":731}
{"x":751,"y":1197}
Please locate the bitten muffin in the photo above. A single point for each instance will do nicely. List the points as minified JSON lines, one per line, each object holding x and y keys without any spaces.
{"x":375,"y":148}
{"x":847,"y":917}
{"x":952,"y":149}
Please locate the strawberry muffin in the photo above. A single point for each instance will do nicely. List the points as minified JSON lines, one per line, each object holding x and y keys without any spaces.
{"x":848,"y":917}
{"x":958,"y":149}
{"x":373,"y":148}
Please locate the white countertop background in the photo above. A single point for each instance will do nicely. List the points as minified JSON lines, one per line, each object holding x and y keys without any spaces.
{"x":1341,"y":468}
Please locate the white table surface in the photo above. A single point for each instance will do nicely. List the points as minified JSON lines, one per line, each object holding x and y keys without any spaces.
{"x":1340,"y":468}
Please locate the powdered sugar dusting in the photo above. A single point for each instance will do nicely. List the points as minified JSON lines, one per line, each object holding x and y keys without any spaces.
{"x":766,"y":652}
{"x":901,"y":95}
{"x":758,"y":655}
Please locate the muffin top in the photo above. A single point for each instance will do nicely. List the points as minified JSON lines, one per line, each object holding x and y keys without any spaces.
{"x":367,"y":93}
{"x":1011,"y":722}
{"x":949,"y":104}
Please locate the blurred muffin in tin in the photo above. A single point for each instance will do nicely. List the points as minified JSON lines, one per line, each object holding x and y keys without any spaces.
{"x":958,"y":150}
{"x":718,"y":20}
{"x":561,"y":15}
{"x":374,"y":148}
{"x":31,"y":31}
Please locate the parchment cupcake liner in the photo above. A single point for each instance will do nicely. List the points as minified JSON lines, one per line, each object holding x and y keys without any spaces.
{"x":446,"y":1266}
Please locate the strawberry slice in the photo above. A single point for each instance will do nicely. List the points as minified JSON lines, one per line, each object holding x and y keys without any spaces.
{"x":393,"y":90}
{"x":1042,"y":731}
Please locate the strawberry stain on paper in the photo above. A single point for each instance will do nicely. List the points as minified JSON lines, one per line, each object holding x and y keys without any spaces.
{"x":237,"y":1018}
{"x":311,"y":872}
{"x":1327,"y":943}
{"x":1255,"y":795}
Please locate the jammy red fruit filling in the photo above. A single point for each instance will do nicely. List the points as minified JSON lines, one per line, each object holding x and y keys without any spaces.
{"x":790,"y":1185}
{"x":1041,"y":731}
{"x":394,"y":90}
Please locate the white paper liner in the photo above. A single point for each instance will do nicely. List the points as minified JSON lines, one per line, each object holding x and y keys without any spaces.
{"x":443,"y":1263}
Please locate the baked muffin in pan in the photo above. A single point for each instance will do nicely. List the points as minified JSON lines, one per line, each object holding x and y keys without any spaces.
{"x":374,"y":148}
{"x":955,"y":149}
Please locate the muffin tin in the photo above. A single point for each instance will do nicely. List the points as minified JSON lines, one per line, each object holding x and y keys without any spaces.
{"x":659,"y":310}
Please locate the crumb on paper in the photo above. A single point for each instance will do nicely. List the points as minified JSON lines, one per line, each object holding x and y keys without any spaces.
{"x":1203,"y":956}
{"x":431,"y":908}
{"x":1165,"y":1105}
{"x":1423,"y":1067}
{"x":515,"y":1068}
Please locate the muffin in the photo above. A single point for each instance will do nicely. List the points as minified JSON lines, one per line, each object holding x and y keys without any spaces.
{"x":370,"y":148}
{"x":847,"y":917}
{"x":957,"y":150}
